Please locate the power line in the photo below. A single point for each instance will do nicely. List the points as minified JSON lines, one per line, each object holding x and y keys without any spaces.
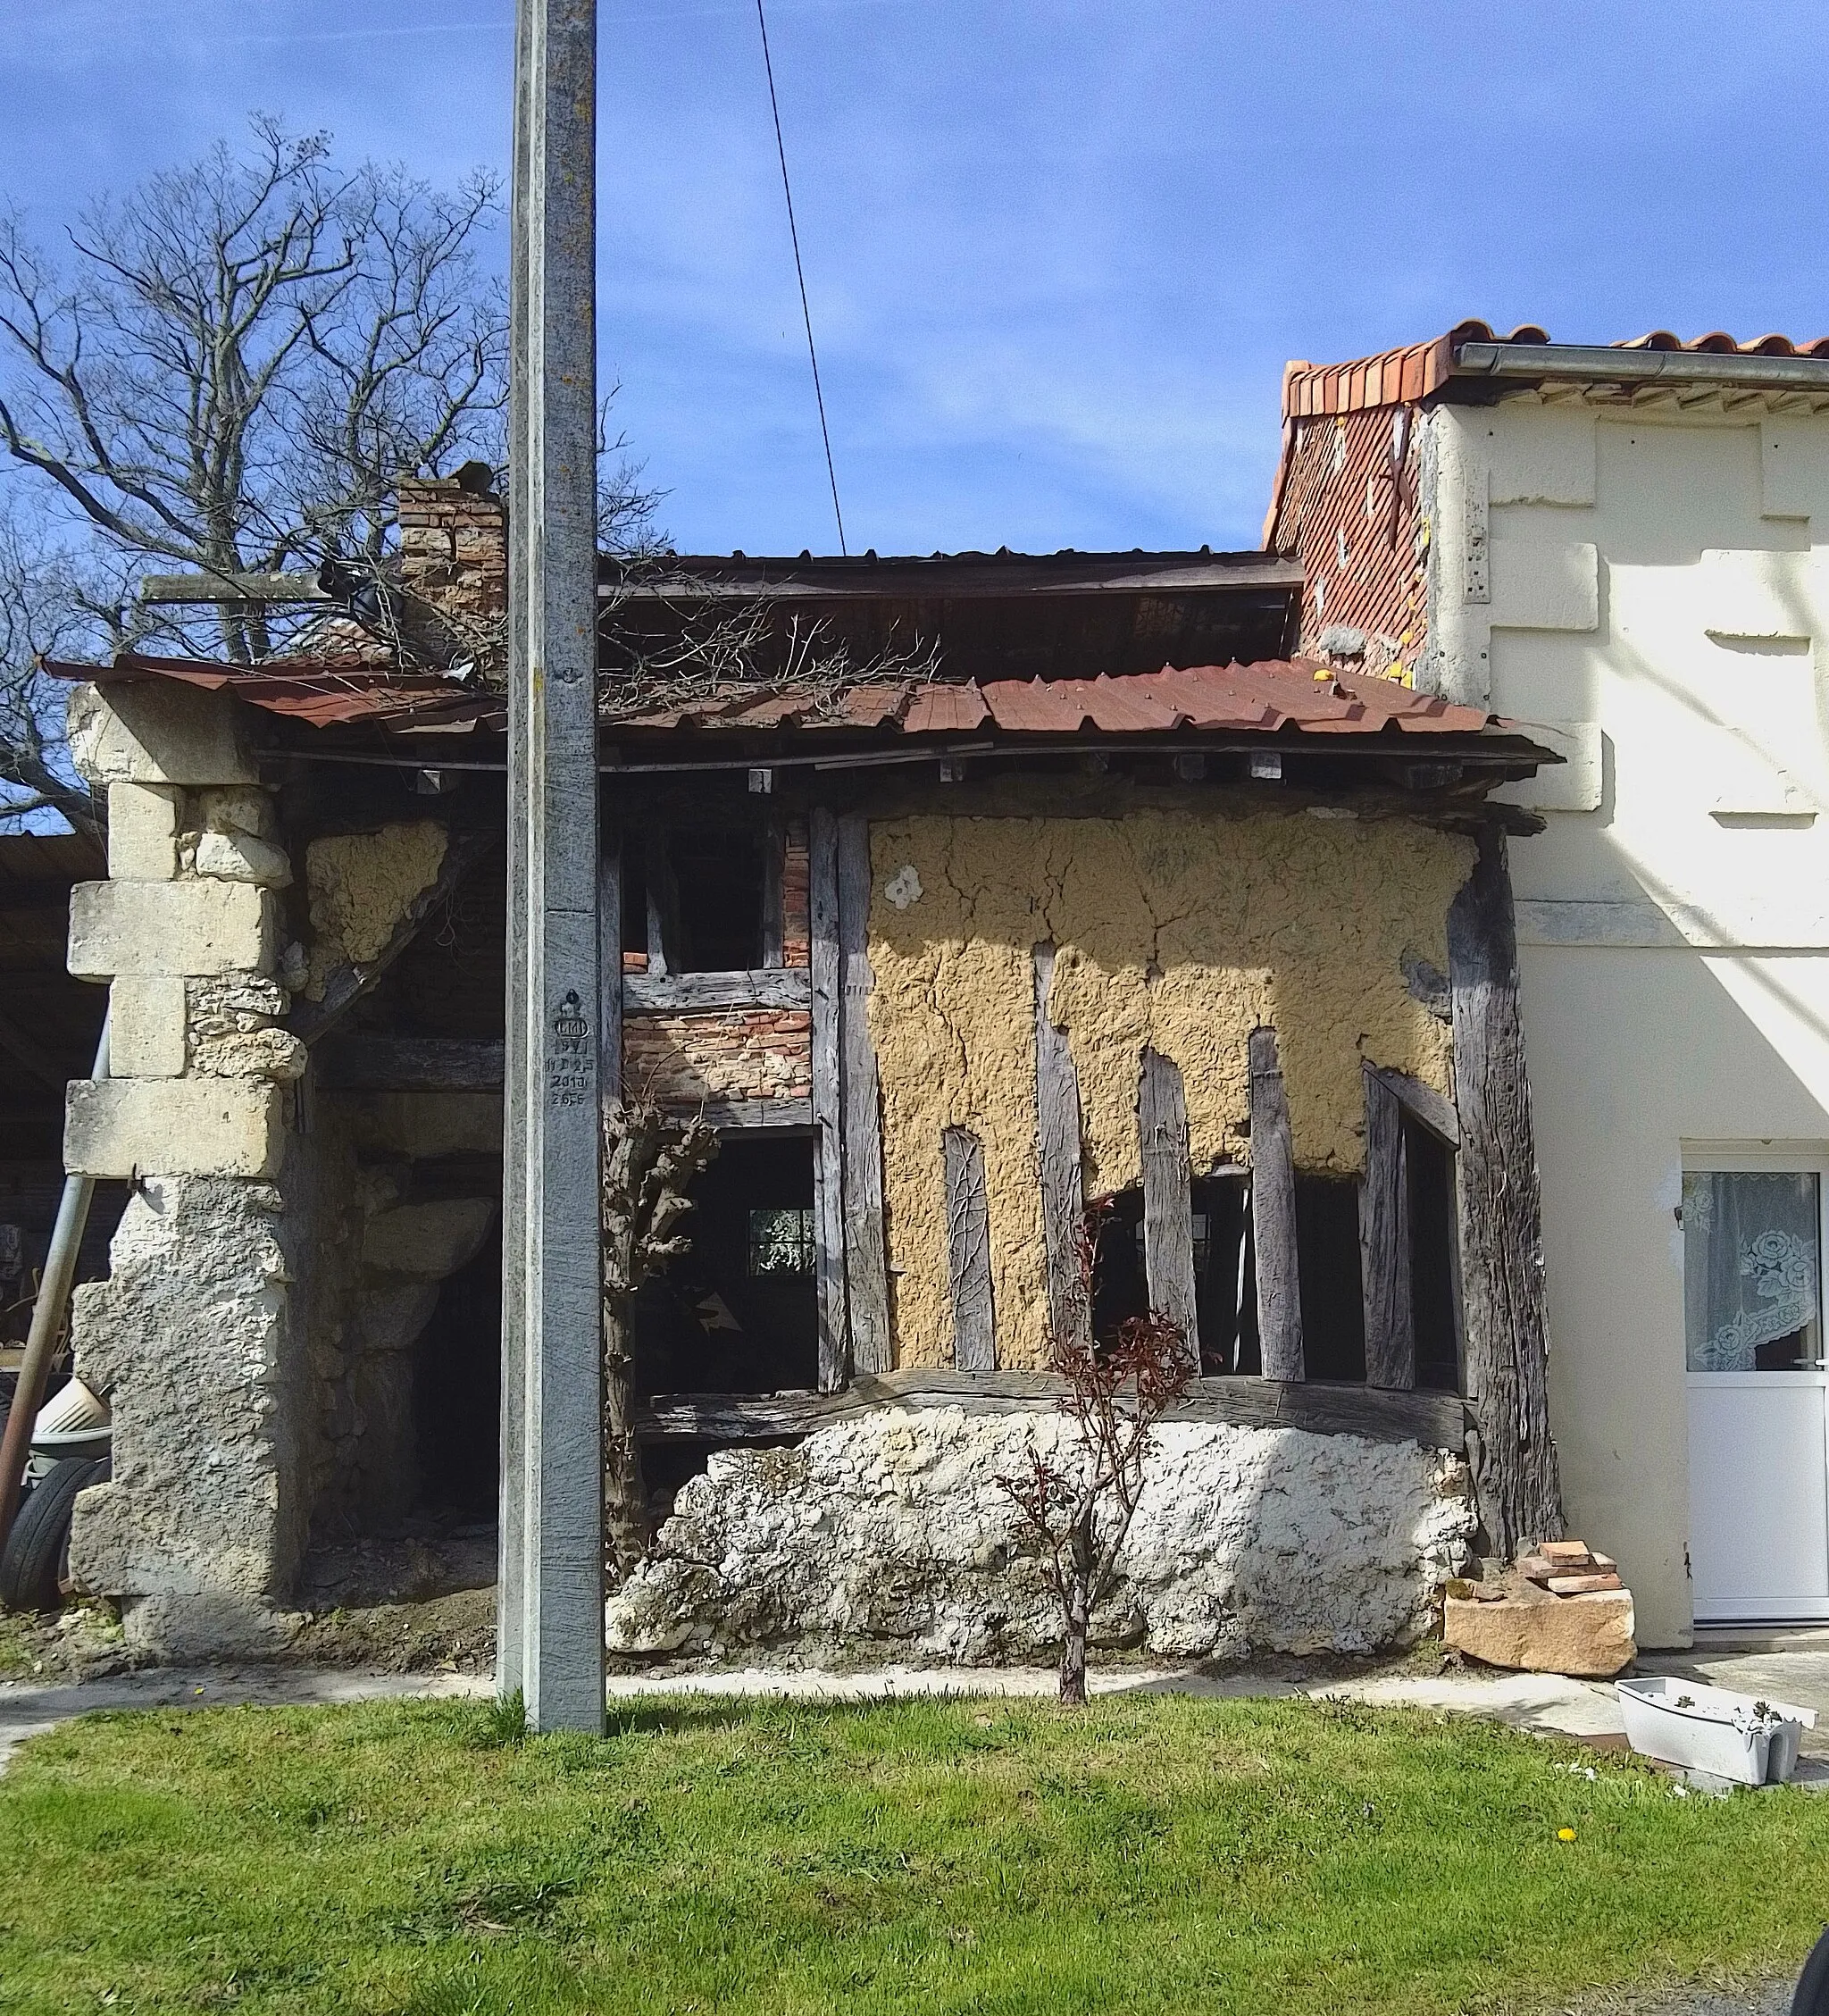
{"x":800,"y":275}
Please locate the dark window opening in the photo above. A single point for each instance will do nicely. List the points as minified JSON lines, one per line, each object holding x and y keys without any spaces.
{"x":1433,"y":1234}
{"x":719,"y":895}
{"x":457,"y":1391}
{"x":1120,"y":1286}
{"x":634,"y":905}
{"x":1327,"y":1260}
{"x":1226,"y":1276}
{"x":739,"y":1312}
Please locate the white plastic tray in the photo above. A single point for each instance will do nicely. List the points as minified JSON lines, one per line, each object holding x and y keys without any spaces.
{"x":1713,"y":1729}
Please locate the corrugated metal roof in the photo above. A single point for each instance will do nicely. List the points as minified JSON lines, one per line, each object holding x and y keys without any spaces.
{"x":321,"y":691}
{"x":1278,"y":697}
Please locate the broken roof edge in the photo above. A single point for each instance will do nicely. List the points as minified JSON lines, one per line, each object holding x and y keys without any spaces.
{"x":957,"y":575}
{"x":1275,"y":700}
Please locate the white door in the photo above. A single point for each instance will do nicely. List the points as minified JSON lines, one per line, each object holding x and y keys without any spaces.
{"x":1758,"y":1394}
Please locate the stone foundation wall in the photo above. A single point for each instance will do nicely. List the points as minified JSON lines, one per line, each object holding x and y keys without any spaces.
{"x":890,"y":1532}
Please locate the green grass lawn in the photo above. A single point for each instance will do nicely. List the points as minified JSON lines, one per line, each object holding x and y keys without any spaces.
{"x":1149,"y":1854}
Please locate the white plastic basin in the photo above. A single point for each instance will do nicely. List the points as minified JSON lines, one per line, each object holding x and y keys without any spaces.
{"x":1740,"y":1737}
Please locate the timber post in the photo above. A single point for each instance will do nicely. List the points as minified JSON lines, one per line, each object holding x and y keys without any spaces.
{"x":551,"y":1601}
{"x":1504,"y":1307}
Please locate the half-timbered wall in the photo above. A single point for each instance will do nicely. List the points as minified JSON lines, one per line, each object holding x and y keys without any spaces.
{"x":1175,"y":936}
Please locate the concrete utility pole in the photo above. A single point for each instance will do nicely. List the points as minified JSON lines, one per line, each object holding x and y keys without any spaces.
{"x":551,"y":1615}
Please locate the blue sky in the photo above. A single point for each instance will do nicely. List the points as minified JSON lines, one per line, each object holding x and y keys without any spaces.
{"x":1057,"y":252}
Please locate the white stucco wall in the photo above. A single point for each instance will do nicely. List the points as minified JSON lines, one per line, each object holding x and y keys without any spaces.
{"x":1653,"y":583}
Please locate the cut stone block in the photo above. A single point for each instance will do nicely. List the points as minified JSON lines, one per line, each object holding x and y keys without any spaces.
{"x":1588,"y":1637}
{"x":241,"y":858}
{"x":156,"y":731}
{"x":429,"y":1239}
{"x":173,"y":1126}
{"x":145,"y":1026}
{"x":168,"y":927}
{"x":143,"y":823}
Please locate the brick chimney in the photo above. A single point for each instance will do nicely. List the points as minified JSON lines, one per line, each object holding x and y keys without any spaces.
{"x":454,"y":545}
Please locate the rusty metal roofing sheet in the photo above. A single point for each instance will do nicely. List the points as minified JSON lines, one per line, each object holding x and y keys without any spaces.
{"x":1279,"y":697}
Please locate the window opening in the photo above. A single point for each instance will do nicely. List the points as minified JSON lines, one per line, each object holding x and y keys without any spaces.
{"x":634,"y":905}
{"x":1327,"y":1261}
{"x":1752,"y":1270}
{"x":780,"y":1242}
{"x":738,"y":1312}
{"x":1225,"y":1275}
{"x":720,"y":896}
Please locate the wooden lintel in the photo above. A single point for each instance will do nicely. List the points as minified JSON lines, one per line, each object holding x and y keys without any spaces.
{"x":1436,"y":1419}
{"x":347,"y":984}
{"x":674,"y":993}
{"x":1421,"y":1102}
{"x":364,"y":1063}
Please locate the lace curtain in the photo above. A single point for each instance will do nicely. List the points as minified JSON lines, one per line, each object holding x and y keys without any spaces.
{"x":1751,"y":1270}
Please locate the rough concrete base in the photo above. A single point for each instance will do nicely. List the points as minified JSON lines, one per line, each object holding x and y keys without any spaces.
{"x":892,"y":1531}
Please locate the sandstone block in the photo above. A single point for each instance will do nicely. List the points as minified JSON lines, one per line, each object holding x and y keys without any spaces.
{"x":173,"y":1126}
{"x":1587,"y":1637}
{"x":145,"y":1026}
{"x":157,"y":731}
{"x":241,"y":858}
{"x":240,"y":810}
{"x":432,"y":1239}
{"x":143,"y":823}
{"x":168,"y":927}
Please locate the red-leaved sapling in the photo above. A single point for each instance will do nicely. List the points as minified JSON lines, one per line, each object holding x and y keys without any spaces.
{"x":1080,"y":1499}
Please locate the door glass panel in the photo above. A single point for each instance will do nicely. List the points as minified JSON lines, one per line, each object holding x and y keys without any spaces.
{"x":1752,"y":1271}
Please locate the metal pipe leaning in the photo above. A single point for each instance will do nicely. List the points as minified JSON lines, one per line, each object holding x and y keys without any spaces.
{"x":47,"y":1319}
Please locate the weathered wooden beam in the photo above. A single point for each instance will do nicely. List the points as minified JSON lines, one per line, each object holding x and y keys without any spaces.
{"x":237,"y":586}
{"x":1062,"y":1193}
{"x":359,"y":1062}
{"x":346,"y":984}
{"x":1273,"y":1214}
{"x":1436,"y":1421}
{"x":968,"y":1250}
{"x":609,"y":969}
{"x":827,"y":1099}
{"x":743,"y":1116}
{"x":663,"y":903}
{"x":774,"y":854}
{"x":1504,"y":1310}
{"x":1168,"y":1200}
{"x":866,"y":1259}
{"x":1384,"y":1243}
{"x":756,"y":987}
{"x":1423,"y":1102}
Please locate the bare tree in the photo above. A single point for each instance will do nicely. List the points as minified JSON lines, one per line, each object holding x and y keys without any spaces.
{"x":650,"y":1157}
{"x":243,"y":356}
{"x":1079,"y":1503}
{"x":45,"y":608}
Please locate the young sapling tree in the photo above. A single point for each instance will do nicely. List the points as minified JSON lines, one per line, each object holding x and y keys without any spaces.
{"x":1079,"y":1500}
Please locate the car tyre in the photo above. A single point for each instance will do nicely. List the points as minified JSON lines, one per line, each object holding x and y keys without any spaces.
{"x":35,"y":1567}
